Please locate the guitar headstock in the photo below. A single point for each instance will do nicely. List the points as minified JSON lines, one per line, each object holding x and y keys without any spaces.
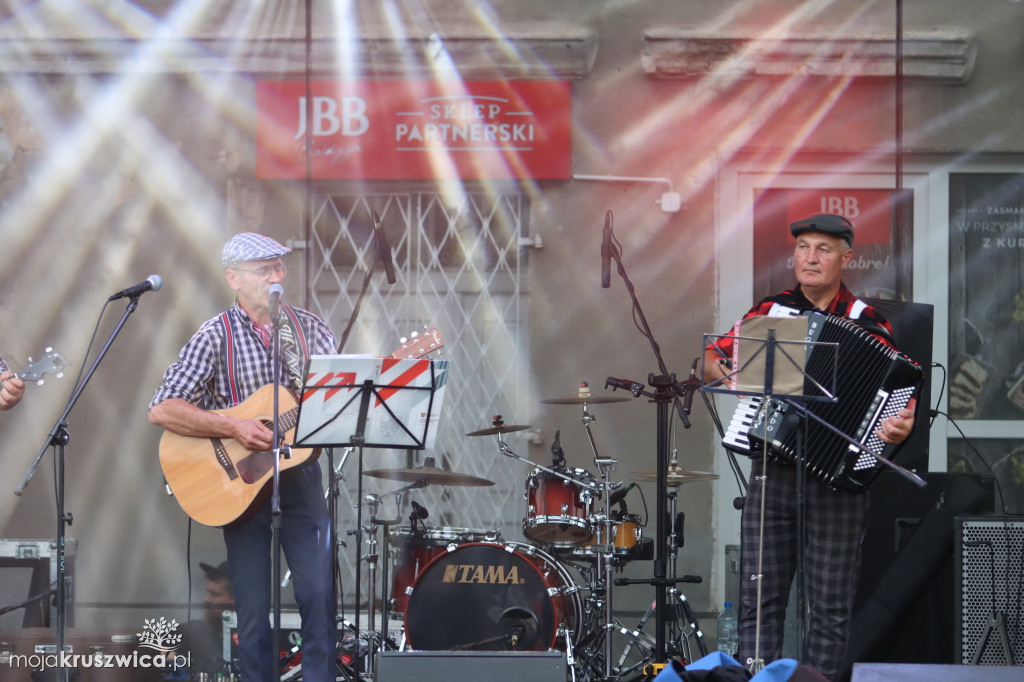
{"x":419,"y":344}
{"x":51,"y":363}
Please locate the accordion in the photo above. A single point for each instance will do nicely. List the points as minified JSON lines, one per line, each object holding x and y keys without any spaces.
{"x":872,"y":383}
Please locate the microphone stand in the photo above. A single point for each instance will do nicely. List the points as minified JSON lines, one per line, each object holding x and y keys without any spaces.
{"x":277,"y":371}
{"x":58,"y":438}
{"x":666,"y":391}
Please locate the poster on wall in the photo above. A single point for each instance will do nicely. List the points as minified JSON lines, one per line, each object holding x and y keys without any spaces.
{"x":986,"y":296}
{"x":881,"y":266}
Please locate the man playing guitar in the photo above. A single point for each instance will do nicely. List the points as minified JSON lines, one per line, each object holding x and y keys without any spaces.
{"x":224,"y":363}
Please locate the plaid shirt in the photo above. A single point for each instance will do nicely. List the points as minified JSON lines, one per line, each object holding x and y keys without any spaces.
{"x":845,"y":304}
{"x":203,"y":375}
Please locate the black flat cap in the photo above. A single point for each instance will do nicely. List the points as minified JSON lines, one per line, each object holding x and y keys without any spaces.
{"x":828,"y":223}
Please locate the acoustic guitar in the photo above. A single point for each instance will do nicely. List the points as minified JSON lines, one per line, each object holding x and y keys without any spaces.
{"x":217,"y":481}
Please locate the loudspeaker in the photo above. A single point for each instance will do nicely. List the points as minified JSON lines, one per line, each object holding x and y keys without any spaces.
{"x":887,"y":672}
{"x":479,"y":666}
{"x":912,"y":325}
{"x":28,"y":583}
{"x":904,"y":608}
{"x":989,"y":564}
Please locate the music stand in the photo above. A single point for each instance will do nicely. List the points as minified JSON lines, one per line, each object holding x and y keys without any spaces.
{"x":365,"y":401}
{"x":758,"y":374}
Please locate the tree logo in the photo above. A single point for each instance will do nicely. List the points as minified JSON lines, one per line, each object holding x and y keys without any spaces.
{"x":160,"y":635}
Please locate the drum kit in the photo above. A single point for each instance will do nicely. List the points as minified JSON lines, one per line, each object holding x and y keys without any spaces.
{"x":461,"y":589}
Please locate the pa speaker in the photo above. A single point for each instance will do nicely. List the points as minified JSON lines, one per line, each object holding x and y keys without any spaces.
{"x":989,"y":565}
{"x":904,"y":609}
{"x":914,"y":672}
{"x":478,"y":666}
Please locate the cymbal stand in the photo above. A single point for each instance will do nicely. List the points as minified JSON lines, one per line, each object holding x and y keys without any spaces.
{"x":605,"y":525}
{"x":373,"y":501}
{"x":370,"y":531}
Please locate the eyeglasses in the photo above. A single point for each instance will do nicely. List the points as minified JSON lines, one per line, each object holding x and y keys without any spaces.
{"x":265,"y":271}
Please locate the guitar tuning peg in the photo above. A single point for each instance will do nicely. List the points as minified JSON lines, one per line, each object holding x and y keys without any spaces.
{"x":403,"y":339}
{"x":40,"y":382}
{"x":49,"y":349}
{"x":415,"y":334}
{"x":30,"y":360}
{"x":59,"y":375}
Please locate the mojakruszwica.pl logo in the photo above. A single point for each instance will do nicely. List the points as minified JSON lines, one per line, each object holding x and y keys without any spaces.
{"x":157,"y":648}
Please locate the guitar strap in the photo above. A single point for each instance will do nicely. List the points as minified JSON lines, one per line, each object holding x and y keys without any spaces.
{"x":296,"y":351}
{"x":294,"y":344}
{"x":229,"y":357}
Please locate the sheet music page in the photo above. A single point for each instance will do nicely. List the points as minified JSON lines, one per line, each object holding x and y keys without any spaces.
{"x":790,"y":354}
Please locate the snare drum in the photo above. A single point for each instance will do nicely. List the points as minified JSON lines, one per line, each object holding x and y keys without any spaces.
{"x":558,"y":510}
{"x":412,"y":550}
{"x":493,"y":597}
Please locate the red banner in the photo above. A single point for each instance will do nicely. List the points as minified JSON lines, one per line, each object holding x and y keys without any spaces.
{"x":415,"y":130}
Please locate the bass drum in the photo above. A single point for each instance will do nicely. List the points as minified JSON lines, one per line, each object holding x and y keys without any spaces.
{"x":493,"y":597}
{"x":413,"y":548}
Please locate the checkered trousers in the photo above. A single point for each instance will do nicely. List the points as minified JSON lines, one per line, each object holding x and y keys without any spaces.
{"x":834,"y":524}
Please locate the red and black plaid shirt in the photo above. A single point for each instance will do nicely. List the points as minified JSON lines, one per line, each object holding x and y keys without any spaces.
{"x":845,"y":304}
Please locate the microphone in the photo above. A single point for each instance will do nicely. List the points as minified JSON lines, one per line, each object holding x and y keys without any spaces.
{"x":557,"y":454}
{"x":153,"y":282}
{"x":633,"y":387}
{"x":691,"y":387}
{"x":276,"y":292}
{"x":606,"y":252}
{"x":619,"y":495}
{"x":418,"y":511}
{"x":383,"y":248}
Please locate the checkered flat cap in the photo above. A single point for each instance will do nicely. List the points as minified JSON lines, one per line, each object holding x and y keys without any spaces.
{"x":249,"y":246}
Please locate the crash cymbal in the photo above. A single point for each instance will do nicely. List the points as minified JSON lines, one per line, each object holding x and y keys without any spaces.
{"x":675,"y":476}
{"x":501,"y":428}
{"x":431,"y":474}
{"x":585,"y":400}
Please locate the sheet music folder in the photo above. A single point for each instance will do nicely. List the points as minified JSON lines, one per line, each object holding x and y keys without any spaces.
{"x":361,"y":400}
{"x":749,"y":360}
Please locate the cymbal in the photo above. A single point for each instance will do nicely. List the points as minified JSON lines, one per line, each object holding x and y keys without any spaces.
{"x":675,"y":476}
{"x":588,"y":400}
{"x":432,"y":474}
{"x":501,"y":428}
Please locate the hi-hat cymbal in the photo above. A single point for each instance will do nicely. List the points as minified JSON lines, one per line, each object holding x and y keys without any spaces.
{"x":585,"y":400}
{"x":431,"y":474}
{"x":501,"y":428}
{"x":675,"y":476}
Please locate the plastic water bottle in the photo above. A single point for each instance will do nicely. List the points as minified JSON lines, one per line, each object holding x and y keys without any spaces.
{"x":728,"y":634}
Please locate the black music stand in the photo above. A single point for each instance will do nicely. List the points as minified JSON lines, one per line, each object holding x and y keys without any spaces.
{"x":364,"y":401}
{"x":759,"y":374}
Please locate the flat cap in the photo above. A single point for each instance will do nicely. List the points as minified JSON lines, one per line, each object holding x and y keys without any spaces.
{"x":249,"y":246}
{"x":827,"y":223}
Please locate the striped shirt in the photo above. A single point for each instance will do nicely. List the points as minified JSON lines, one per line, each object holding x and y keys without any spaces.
{"x":845,"y":304}
{"x":227,"y":360}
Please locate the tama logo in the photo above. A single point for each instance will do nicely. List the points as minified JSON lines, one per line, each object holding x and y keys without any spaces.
{"x":483,"y":574}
